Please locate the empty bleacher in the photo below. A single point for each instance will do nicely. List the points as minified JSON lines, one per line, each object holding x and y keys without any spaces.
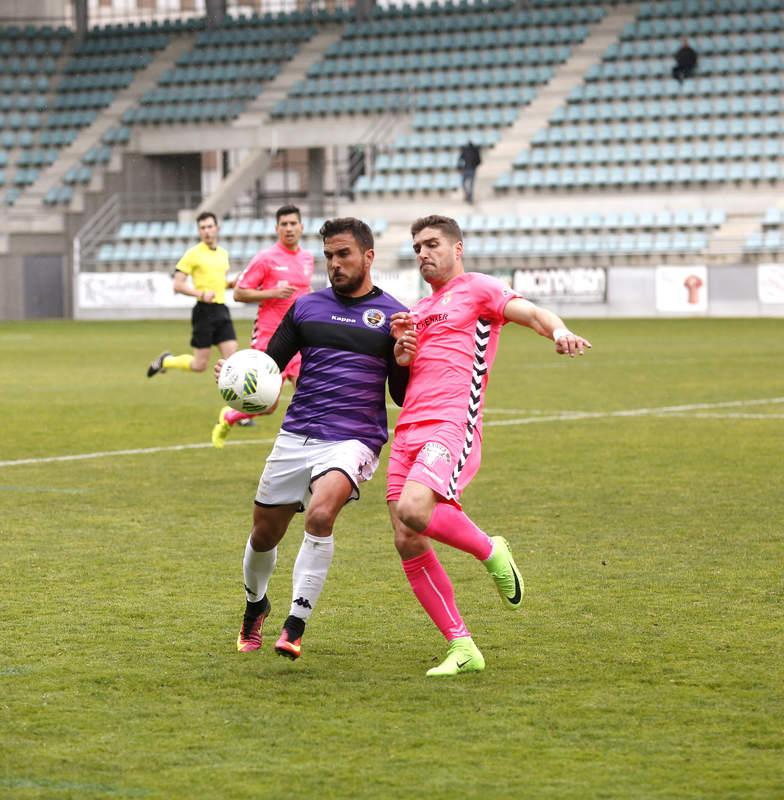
{"x":768,"y":242}
{"x":470,"y":72}
{"x":79,"y":86}
{"x":585,"y":238}
{"x":226,"y":67}
{"x":157,"y":244}
{"x":29,"y":61}
{"x":457,"y":72}
{"x":630,"y":124}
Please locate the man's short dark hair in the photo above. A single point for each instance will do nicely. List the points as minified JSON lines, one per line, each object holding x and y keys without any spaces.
{"x":446,"y":225}
{"x":358,"y":229}
{"x":284,"y":211}
{"x":206,"y":215}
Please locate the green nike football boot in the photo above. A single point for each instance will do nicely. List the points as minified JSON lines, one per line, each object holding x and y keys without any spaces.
{"x":507,"y":577}
{"x":462,"y":656}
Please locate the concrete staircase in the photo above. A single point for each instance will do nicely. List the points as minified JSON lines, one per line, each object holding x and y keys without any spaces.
{"x":728,"y":240}
{"x":255,"y":162}
{"x":535,"y":116}
{"x":295,"y":70}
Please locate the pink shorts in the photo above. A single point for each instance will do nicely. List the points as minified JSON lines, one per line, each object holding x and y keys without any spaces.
{"x":437,"y":454}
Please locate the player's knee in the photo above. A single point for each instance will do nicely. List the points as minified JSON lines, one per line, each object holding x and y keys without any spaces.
{"x":409,"y":543}
{"x":319,"y":521}
{"x":413,"y":513}
{"x":262,"y":538}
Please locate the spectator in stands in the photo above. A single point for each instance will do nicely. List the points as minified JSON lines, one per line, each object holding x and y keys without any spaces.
{"x":207,"y":266}
{"x":685,"y":62}
{"x":467,"y":163}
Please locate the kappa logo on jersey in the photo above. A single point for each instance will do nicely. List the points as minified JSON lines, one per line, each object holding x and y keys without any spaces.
{"x":374,"y":318}
{"x":281,"y":268}
{"x":434,"y":451}
{"x":446,"y":299}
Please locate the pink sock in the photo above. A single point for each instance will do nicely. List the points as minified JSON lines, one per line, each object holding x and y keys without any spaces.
{"x":233,"y":417}
{"x":451,"y":526}
{"x":434,"y":591}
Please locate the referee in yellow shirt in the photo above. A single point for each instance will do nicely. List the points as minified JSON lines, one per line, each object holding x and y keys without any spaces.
{"x":208,"y":267}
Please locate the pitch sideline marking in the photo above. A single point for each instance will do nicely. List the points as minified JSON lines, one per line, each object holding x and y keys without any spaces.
{"x":136,"y":452}
{"x":567,"y":416}
{"x":635,"y":412}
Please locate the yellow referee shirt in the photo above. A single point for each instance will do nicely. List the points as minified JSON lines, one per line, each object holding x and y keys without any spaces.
{"x":207,"y":268}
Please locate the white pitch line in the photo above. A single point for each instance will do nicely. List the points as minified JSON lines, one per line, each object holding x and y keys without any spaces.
{"x":734,"y":415}
{"x":143,"y":451}
{"x":566,"y":416}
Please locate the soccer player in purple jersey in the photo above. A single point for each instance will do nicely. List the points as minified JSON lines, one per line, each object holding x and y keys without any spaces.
{"x":333,"y":430}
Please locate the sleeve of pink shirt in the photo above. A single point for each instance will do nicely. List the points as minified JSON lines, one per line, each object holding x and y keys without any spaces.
{"x":253,"y":275}
{"x":492,"y":296}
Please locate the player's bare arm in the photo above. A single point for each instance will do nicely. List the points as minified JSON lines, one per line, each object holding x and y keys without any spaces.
{"x":284,"y":290}
{"x":181,"y":286}
{"x":547,"y":324}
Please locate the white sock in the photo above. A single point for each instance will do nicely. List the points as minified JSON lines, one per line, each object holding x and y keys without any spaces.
{"x":257,"y":569}
{"x":310,"y":573}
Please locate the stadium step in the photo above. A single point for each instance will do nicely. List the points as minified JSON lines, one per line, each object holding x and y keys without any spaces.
{"x":731,"y":236}
{"x":553,"y":94}
{"x":31,"y":202}
{"x":255,"y":163}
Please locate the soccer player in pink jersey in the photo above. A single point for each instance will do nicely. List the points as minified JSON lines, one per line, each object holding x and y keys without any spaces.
{"x":274,"y":279}
{"x":436,"y":450}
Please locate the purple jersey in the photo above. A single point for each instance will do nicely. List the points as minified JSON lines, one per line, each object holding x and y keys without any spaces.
{"x":347,"y":357}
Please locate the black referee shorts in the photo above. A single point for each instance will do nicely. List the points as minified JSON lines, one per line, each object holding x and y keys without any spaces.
{"x":211,"y":324}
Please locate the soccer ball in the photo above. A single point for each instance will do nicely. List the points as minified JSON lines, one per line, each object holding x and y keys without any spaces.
{"x":249,"y":381}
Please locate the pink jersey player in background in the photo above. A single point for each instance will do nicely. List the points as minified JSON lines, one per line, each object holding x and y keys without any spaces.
{"x":274,"y":278}
{"x":449,"y":341}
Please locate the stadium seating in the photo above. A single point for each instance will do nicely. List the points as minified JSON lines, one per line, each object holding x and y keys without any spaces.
{"x":226,"y":67}
{"x":29,"y":63}
{"x":586,"y":238}
{"x":630,"y":124}
{"x":470,"y":72}
{"x":72,"y":84}
{"x":768,"y":241}
{"x":153,"y":244}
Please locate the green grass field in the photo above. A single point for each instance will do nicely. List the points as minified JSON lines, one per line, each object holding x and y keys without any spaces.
{"x":641,"y":488}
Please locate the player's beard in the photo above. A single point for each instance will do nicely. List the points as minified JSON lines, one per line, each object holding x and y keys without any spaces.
{"x":349,"y":285}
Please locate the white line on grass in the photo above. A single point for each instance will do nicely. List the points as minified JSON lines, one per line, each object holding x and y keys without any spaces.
{"x":565,"y":416}
{"x":140,"y":451}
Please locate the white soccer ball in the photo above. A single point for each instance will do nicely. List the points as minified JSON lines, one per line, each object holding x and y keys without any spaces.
{"x":249,"y":381}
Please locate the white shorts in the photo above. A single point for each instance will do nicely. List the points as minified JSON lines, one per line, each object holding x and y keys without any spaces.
{"x":296,"y":461}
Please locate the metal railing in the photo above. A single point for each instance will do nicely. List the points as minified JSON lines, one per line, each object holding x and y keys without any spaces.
{"x":131,"y":207}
